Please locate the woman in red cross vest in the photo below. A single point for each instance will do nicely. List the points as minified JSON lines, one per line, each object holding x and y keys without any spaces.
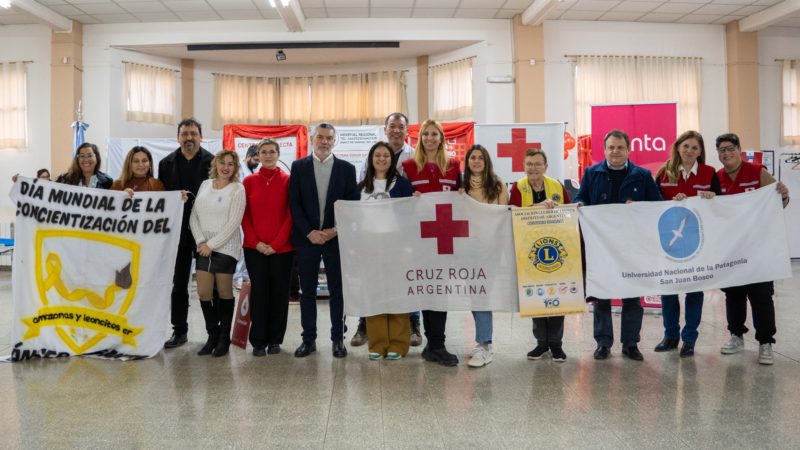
{"x":684,"y":175}
{"x":430,"y":170}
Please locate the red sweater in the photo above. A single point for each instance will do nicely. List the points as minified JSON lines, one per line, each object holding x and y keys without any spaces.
{"x":266,"y":216}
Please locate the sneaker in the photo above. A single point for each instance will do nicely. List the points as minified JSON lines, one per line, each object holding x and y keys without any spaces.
{"x":393,"y":356}
{"x":440,"y":355}
{"x":734,"y":345}
{"x":765,"y":354}
{"x":537,"y":352}
{"x":479,"y":357}
{"x":558,"y":354}
{"x":375,"y":356}
{"x":415,"y":340}
{"x":360,"y":338}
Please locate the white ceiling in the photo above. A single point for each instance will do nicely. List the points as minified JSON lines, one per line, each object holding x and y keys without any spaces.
{"x":129,"y":11}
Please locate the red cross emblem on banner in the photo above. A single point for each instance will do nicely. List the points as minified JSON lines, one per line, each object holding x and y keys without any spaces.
{"x":516,"y":149}
{"x":444,"y":229}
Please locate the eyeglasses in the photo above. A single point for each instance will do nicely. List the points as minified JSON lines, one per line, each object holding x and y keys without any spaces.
{"x":727,"y":148}
{"x":86,"y":156}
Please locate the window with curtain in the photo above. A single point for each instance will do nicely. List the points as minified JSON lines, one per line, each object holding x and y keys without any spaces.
{"x":13,"y":105}
{"x":338,"y":99}
{"x":632,"y":79}
{"x":790,"y":116}
{"x":151,"y":93}
{"x":295,"y":100}
{"x":243,"y":99}
{"x":386,"y":93}
{"x":451,"y":90}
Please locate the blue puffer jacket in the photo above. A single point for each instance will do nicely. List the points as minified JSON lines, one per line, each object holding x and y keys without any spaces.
{"x":637,"y":186}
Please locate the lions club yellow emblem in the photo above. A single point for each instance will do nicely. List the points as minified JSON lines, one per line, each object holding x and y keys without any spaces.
{"x":547,"y":254}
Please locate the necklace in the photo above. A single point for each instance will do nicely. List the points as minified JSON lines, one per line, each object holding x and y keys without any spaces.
{"x":268,"y":180}
{"x":729,"y":172}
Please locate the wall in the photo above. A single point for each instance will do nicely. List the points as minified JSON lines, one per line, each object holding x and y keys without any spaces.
{"x":30,"y":43}
{"x":774,"y":43}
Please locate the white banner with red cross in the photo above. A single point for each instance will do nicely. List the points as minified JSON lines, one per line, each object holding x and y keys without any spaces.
{"x":507,"y":144}
{"x":441,"y":251}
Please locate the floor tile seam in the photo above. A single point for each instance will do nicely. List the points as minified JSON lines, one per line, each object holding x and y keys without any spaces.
{"x":438,"y":423}
{"x":383,"y":416}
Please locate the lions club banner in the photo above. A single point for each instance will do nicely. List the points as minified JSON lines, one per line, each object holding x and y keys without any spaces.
{"x":674,"y":247}
{"x":441,"y":251}
{"x":92,"y":270}
{"x":548,"y":249}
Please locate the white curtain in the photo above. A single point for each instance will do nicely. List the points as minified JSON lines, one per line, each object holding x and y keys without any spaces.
{"x":790,"y":119}
{"x":386,"y":93}
{"x":338,"y":99}
{"x":632,"y":79}
{"x":451,"y":90}
{"x":13,"y":105}
{"x":151,"y":93}
{"x":244,"y":99}
{"x":295,"y":100}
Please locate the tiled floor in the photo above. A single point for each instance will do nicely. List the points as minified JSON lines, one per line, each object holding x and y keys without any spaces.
{"x":179,"y":400}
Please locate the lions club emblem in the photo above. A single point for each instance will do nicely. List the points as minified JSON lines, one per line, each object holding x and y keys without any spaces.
{"x":547,"y":254}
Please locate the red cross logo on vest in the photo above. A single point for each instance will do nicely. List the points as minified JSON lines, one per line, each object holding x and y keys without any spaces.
{"x":444,"y":229}
{"x":516,"y":149}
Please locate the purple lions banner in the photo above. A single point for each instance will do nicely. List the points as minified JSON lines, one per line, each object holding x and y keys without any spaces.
{"x":442,"y":251}
{"x":672,"y":247}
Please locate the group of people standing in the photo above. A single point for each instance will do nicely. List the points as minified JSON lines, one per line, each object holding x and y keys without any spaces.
{"x":277,"y":218}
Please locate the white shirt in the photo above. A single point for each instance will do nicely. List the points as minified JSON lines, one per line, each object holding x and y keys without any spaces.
{"x":692,"y":171}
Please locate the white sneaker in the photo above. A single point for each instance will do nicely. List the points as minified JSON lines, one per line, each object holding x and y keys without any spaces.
{"x":734,"y":345}
{"x":765,"y":354}
{"x":480,"y":357}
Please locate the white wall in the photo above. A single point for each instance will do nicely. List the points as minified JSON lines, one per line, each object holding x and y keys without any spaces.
{"x":27,"y":43}
{"x":774,"y":43}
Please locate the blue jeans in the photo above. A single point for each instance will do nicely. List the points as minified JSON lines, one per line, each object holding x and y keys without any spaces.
{"x":671,"y":310}
{"x":631,"y":324}
{"x":483,"y":326}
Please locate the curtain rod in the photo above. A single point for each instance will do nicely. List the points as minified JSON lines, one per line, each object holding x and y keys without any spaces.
{"x":454,"y":61}
{"x":634,"y":56}
{"x":785,"y":59}
{"x":297,"y":76}
{"x":17,"y":62}
{"x":150,"y":65}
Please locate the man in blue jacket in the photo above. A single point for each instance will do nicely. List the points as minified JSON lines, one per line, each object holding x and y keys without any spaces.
{"x":617,"y":180}
{"x":317,"y":181}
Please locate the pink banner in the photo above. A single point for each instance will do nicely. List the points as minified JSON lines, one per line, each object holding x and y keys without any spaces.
{"x":651,"y":127}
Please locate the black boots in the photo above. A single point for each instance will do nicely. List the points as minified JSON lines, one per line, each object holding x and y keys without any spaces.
{"x":225,"y":312}
{"x":212,"y":326}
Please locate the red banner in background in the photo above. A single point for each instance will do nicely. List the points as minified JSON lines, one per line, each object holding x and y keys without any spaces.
{"x":241,"y":318}
{"x":233,"y":131}
{"x":651,"y":127}
{"x":459,"y":137}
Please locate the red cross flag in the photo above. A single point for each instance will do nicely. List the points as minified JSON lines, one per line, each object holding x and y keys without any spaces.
{"x":441,"y":251}
{"x":507,"y":144}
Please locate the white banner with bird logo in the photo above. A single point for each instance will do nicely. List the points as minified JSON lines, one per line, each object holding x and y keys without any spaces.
{"x":673,"y":247}
{"x":92,"y":270}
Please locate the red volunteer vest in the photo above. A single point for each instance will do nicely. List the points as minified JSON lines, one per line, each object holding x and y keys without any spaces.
{"x":689,"y":186}
{"x":430,"y":178}
{"x":748,"y":179}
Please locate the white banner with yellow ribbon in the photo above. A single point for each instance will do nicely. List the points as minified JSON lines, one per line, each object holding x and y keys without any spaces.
{"x":92,"y":270}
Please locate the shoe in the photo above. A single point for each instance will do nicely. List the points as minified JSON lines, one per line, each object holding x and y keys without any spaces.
{"x":666,"y":345}
{"x":176,"y":340}
{"x":259,"y":351}
{"x":687,"y":350}
{"x":440,"y":355}
{"x":305,"y":349}
{"x":537,"y":352}
{"x":415,"y":340}
{"x":479,"y":357}
{"x":734,"y":345}
{"x":765,"y":354}
{"x":601,"y":352}
{"x":339,"y":350}
{"x":558,"y":354}
{"x":633,"y":353}
{"x":375,"y":356}
{"x":273,"y":349}
{"x":360,"y":338}
{"x":225,"y":312}
{"x":210,"y":344}
{"x":392,"y":356}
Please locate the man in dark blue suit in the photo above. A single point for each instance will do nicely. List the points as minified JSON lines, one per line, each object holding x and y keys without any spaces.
{"x":317,"y":181}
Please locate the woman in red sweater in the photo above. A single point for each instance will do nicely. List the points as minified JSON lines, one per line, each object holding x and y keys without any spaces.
{"x":268,"y":252}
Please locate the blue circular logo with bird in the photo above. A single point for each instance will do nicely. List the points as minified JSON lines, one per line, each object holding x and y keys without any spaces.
{"x":679,"y":232}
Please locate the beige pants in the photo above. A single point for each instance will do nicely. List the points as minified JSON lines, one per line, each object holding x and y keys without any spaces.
{"x":388,"y":333}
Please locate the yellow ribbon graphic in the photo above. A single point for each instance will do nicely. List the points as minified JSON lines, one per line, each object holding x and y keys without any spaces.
{"x":53,"y":268}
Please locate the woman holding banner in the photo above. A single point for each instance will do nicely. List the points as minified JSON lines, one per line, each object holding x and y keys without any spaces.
{"x":268,"y":251}
{"x":215,"y":223}
{"x":430,"y":170}
{"x":685,"y":175}
{"x":137,"y":173}
{"x":85,"y":169}
{"x":483,"y":185}
{"x":535,"y":188}
{"x":387,"y":334}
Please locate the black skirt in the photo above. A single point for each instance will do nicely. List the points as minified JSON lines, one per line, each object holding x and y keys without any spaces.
{"x":216,"y":263}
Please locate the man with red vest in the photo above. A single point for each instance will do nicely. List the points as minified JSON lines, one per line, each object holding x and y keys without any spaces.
{"x":737,"y":176}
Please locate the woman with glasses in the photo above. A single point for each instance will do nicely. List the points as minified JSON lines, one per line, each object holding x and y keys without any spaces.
{"x":85,"y":169}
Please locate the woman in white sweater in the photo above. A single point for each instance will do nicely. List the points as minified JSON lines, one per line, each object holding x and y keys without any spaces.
{"x":215,"y":222}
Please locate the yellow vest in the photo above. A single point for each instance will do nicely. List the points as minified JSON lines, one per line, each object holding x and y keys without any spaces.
{"x":552,"y":190}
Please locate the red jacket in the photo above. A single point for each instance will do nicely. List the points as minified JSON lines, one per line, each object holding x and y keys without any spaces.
{"x":431,"y":179}
{"x":266,"y":216}
{"x":703,"y":181}
{"x":748,"y":179}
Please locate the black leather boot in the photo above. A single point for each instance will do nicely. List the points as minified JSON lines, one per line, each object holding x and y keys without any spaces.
{"x":212,"y":326}
{"x":225,"y":311}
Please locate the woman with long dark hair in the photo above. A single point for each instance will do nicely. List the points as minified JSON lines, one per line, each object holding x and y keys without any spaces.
{"x":137,"y":173}
{"x":85,"y":169}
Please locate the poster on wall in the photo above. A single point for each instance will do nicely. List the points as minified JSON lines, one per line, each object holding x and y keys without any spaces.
{"x":789,"y":174}
{"x":293,"y":140}
{"x":459,"y":136}
{"x":288,"y":148}
{"x":118,"y":149}
{"x":507,"y":144}
{"x":652,"y":128}
{"x":353,"y":142}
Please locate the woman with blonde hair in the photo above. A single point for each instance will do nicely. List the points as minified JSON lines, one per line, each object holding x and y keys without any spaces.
{"x":216,"y":226}
{"x":137,"y":173}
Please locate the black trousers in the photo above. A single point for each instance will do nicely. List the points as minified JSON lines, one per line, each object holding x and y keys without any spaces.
{"x":180,"y":289}
{"x":760,"y":295}
{"x":269,"y":295}
{"x":548,"y":331}
{"x":434,"y":322}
